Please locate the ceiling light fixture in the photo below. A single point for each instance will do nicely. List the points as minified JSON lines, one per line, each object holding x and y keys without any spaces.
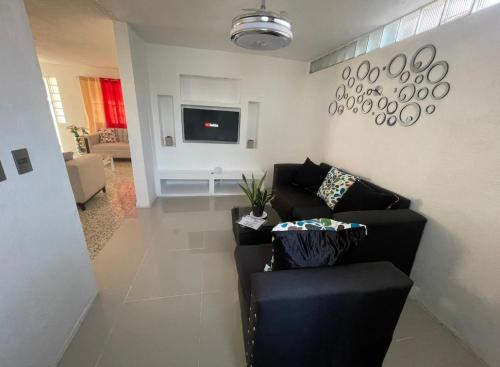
{"x":261,"y":29}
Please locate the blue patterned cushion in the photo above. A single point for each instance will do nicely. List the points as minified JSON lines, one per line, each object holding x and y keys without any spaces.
{"x":334,"y":186}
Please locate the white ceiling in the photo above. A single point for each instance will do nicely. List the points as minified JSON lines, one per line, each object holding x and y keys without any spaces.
{"x":80,"y":31}
{"x":72,"y":32}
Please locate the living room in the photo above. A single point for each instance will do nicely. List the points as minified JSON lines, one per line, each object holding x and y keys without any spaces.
{"x":394,"y":102}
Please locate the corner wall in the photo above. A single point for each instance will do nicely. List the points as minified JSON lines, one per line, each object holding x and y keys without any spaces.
{"x":46,"y":280}
{"x":448,"y":164}
{"x":134,"y":75}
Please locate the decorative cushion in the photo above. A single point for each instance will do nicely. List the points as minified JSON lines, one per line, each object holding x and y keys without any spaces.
{"x":362,"y":197}
{"x":335,"y":186}
{"x":309,"y":176}
{"x":107,"y":136}
{"x":68,"y":156}
{"x":312,"y":243}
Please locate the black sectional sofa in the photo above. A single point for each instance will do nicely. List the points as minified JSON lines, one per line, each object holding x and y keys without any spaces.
{"x":342,"y":316}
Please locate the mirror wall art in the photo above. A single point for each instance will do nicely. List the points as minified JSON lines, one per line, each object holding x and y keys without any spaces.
{"x":420,"y":86}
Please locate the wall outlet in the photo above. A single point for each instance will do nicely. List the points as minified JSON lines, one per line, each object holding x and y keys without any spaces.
{"x":2,"y":173}
{"x":22,"y":160}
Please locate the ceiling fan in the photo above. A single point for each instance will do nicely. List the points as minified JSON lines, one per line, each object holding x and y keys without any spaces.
{"x":261,"y":29}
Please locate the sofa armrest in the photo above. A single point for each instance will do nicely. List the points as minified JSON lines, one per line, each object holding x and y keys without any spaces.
{"x":91,"y":140}
{"x":283,"y":174}
{"x":325,"y":317}
{"x":393,"y":235}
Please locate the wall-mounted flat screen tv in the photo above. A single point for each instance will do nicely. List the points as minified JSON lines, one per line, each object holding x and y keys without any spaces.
{"x":202,"y":124}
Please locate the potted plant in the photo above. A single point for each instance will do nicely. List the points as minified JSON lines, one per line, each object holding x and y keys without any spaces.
{"x":78,"y":135}
{"x":258,"y":196}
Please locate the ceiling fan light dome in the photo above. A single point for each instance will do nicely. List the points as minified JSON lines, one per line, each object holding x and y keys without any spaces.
{"x":261,"y":30}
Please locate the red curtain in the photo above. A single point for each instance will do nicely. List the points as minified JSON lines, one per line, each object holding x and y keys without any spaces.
{"x":114,"y":108}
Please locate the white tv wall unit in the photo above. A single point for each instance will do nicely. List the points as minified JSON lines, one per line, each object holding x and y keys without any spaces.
{"x":203,"y":182}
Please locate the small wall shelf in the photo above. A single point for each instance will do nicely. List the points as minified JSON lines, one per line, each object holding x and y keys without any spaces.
{"x":202,"y":182}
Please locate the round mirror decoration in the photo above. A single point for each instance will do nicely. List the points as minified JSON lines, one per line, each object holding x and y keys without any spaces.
{"x":351,"y":81}
{"x":391,"y":121}
{"x":405,"y":75}
{"x":423,"y":58}
{"x":367,"y":106}
{"x":437,"y":72}
{"x":392,"y":107}
{"x":382,"y":103}
{"x":350,"y":102}
{"x":422,"y":93}
{"x":363,"y":70}
{"x":440,"y":90}
{"x":339,"y":94}
{"x":332,"y":109}
{"x":403,"y":85}
{"x":406,"y":93}
{"x":396,"y":66}
{"x":346,"y":73}
{"x":373,"y":75}
{"x":409,"y":114}
{"x":380,"y":119}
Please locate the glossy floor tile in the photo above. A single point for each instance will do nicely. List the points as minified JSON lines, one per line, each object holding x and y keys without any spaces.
{"x":168,"y":297}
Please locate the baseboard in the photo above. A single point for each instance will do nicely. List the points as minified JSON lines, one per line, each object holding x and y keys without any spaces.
{"x":75,"y":328}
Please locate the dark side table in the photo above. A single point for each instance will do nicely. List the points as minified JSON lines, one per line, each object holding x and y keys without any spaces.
{"x":245,"y":236}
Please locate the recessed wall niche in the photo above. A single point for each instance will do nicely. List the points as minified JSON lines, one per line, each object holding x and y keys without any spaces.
{"x":252,"y":124}
{"x":210,"y":90}
{"x":409,"y":85}
{"x":166,"y":119}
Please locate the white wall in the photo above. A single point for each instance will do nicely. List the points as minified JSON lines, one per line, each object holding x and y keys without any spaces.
{"x":134,"y":76}
{"x":449,"y":165}
{"x":46,"y":281}
{"x":71,"y":95}
{"x":286,"y":133}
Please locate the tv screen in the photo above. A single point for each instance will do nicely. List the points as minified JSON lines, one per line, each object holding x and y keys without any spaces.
{"x":210,"y":124}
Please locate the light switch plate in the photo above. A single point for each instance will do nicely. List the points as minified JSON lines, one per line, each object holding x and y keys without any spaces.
{"x":2,"y":173}
{"x":22,"y":160}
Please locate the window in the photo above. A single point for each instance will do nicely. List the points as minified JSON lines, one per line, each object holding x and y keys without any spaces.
{"x":423,"y":19}
{"x":456,"y":9}
{"x":431,"y":16}
{"x":55,"y":102}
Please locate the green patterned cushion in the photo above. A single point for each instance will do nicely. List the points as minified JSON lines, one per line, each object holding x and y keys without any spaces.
{"x":335,"y":185}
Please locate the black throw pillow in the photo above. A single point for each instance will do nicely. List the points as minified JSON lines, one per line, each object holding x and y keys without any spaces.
{"x":309,"y":176}
{"x":362,"y":197}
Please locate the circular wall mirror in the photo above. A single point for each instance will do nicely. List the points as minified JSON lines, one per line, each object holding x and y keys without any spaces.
{"x":409,"y":114}
{"x":423,"y":58}
{"x":396,"y":66}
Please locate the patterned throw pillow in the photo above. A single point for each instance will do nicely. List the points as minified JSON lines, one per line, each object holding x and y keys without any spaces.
{"x":107,"y":136}
{"x":312,"y":243}
{"x":334,"y":186}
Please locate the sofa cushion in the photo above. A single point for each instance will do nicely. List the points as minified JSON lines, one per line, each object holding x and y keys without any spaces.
{"x":288,"y":197}
{"x":249,"y":260}
{"x":107,"y":136}
{"x":335,"y":186}
{"x":313,"y":243}
{"x":108,"y":147}
{"x":360,"y":196}
{"x":309,"y":176}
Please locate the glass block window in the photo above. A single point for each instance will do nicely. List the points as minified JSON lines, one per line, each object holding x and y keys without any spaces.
{"x":361,"y":45}
{"x":390,"y":33}
{"x":430,"y":16}
{"x":55,"y":102}
{"x":408,"y":25}
{"x":374,"y":40}
{"x":483,"y":4}
{"x":456,"y":9}
{"x":421,"y":20}
{"x":350,"y":51}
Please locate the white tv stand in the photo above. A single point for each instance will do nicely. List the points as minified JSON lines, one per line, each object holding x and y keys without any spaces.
{"x":202,"y":182}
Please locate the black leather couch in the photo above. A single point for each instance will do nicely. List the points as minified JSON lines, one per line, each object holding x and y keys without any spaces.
{"x":343,"y":316}
{"x":295,"y":203}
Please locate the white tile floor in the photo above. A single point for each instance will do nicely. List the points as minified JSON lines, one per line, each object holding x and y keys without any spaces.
{"x":167,"y":297}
